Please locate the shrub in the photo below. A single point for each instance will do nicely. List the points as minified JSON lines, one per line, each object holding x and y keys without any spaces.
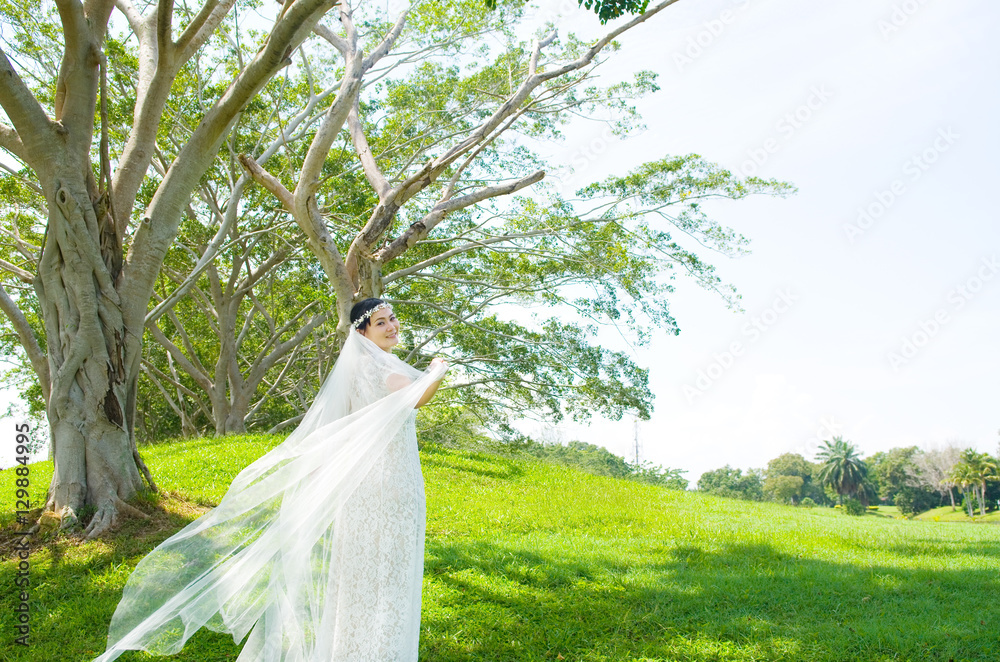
{"x":807,"y":503}
{"x":854,"y":507}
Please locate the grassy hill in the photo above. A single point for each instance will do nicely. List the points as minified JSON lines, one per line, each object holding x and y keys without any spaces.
{"x":946,"y":514}
{"x":532,"y":561}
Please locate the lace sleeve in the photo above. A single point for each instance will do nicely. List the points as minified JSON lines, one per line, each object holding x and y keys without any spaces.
{"x":369,"y":386}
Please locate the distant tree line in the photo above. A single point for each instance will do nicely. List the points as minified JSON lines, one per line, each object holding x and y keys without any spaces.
{"x":602,"y":462}
{"x":913,"y":479}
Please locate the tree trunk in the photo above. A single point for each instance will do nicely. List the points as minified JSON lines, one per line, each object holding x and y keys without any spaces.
{"x":92,"y":400}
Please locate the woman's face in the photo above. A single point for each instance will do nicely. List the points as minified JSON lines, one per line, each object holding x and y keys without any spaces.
{"x":383,"y":329}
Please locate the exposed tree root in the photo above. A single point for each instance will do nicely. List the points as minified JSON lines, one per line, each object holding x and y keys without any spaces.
{"x":108,"y":515}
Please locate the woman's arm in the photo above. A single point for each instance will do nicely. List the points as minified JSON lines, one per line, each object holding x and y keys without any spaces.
{"x":396,"y":382}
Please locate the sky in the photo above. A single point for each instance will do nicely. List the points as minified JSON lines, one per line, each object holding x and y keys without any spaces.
{"x":872,"y":296}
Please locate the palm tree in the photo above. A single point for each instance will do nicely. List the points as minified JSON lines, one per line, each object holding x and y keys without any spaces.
{"x":843,"y":469}
{"x":980,"y":467}
{"x":963,"y":477}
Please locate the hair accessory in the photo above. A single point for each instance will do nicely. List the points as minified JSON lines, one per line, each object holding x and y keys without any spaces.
{"x":361,"y":320}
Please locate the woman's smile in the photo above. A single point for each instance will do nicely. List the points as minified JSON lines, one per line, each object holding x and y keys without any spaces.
{"x":383,"y":329}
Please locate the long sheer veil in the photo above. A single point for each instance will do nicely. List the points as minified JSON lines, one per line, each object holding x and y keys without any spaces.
{"x":262,"y":559}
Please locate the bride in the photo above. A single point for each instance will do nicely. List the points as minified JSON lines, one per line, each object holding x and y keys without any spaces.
{"x":317,"y":548}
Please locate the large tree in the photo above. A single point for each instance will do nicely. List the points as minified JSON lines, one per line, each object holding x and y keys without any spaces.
{"x":96,"y":267}
{"x":413,"y":211}
{"x":843,"y":469}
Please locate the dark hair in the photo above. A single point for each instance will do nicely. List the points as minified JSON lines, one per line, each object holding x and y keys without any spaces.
{"x":361,"y":308}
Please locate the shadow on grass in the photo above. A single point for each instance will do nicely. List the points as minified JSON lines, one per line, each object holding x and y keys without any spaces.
{"x":487,"y":465}
{"x":499,"y":602}
{"x":742,"y":602}
{"x":73,"y":596}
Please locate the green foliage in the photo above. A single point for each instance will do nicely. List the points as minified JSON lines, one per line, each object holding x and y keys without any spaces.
{"x":606,"y":10}
{"x":914,"y":500}
{"x":807,"y":503}
{"x":971,"y":475}
{"x":783,"y":488}
{"x":655,"y":474}
{"x":790,"y":477}
{"x":854,"y":507}
{"x":564,"y":267}
{"x":843,"y":469}
{"x":733,"y":483}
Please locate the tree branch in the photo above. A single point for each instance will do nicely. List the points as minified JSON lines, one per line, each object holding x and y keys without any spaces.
{"x":382,"y":49}
{"x":32,"y":125}
{"x":10,"y":141}
{"x":372,"y":172}
{"x":268,"y":181}
{"x":464,"y":248}
{"x":200,"y":375}
{"x":131,"y":14}
{"x":333,"y":38}
{"x":24,"y":276}
{"x":265,"y":363}
{"x":29,"y":342}
{"x":422,"y":228}
{"x":151,"y":242}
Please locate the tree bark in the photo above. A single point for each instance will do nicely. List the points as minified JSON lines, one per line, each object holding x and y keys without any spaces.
{"x":92,"y":445}
{"x":93,"y":299}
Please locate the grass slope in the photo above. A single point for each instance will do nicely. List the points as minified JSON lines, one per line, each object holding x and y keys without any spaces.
{"x":946,"y":514}
{"x":532,"y":561}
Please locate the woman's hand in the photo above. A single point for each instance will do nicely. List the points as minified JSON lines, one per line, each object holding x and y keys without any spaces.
{"x":432,"y":389}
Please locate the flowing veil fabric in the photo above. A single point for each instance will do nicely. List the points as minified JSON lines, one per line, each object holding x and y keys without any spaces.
{"x":264,"y":559}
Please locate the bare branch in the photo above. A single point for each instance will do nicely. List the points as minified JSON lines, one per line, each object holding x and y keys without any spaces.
{"x":199,"y":29}
{"x":251,"y":279}
{"x":164,"y":40}
{"x":372,"y":172}
{"x":421,"y":228}
{"x":332,"y":37}
{"x":10,"y":141}
{"x":29,"y":342}
{"x":265,"y":363}
{"x":333,"y":122}
{"x":267,"y":180}
{"x":536,"y":51}
{"x":132,"y":14}
{"x":464,"y":248}
{"x":199,"y":374}
{"x":382,"y":49}
{"x":25,"y":276}
{"x":31,"y":124}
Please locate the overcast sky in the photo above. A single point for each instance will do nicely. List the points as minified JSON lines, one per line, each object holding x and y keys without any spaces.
{"x":872,"y":296}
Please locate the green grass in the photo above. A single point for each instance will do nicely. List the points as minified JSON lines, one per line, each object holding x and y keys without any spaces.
{"x":532,"y":561}
{"x":946,"y":514}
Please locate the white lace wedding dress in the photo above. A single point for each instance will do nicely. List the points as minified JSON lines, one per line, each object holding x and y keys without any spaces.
{"x":316,"y":550}
{"x":380,"y":550}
